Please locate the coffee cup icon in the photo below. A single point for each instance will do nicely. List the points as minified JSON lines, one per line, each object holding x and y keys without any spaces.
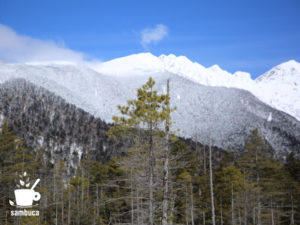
{"x":25,"y":197}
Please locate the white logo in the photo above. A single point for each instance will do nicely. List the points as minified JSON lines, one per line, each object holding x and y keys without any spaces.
{"x":25,"y":195}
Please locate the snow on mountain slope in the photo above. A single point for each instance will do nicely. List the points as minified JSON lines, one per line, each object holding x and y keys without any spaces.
{"x":279,"y":87}
{"x":143,"y":63}
{"x":227,"y":114}
{"x":137,"y":64}
{"x":212,"y":76}
{"x":79,"y":85}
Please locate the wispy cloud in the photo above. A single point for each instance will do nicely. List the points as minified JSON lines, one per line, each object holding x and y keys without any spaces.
{"x":153,"y":35}
{"x":20,"y":48}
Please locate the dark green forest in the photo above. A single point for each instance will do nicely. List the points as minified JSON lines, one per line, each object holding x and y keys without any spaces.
{"x":160,"y":179}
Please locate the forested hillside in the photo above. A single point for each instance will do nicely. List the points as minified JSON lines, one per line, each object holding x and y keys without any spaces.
{"x":44,"y":120}
{"x":155,"y":178}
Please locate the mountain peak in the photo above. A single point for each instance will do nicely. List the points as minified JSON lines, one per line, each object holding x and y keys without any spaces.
{"x":144,"y":56}
{"x":215,"y":67}
{"x":289,"y":65}
{"x":289,"y":70}
{"x":135,"y":64}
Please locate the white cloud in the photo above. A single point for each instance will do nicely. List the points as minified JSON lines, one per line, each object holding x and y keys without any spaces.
{"x":153,"y":35}
{"x":20,"y":48}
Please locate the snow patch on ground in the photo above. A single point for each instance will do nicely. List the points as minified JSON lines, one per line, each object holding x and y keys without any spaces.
{"x":1,"y":119}
{"x":270,"y":117}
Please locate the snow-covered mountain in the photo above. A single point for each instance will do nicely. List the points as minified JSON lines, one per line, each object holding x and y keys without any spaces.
{"x":279,"y":87}
{"x":226,"y":114}
{"x":144,"y":63}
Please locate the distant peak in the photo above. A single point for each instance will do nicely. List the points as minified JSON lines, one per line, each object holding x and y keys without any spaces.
{"x":215,"y":68}
{"x":135,"y":64}
{"x":137,"y":56}
{"x":284,"y":70}
{"x":142,"y":54}
{"x":290,"y":63}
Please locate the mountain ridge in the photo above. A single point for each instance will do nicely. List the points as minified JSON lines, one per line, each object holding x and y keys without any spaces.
{"x":232,"y":113}
{"x":282,"y":96}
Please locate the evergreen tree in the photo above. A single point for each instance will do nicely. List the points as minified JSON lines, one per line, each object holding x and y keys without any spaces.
{"x":261,"y":170}
{"x":147,"y":112}
{"x":229,"y":185}
{"x":15,"y":159}
{"x":292,"y":165}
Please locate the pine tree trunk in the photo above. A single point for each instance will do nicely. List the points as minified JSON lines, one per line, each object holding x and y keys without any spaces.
{"x":204,"y":160}
{"x":186,"y":206}
{"x":258,"y":212}
{"x":87,"y":202}
{"x":97,"y":202}
{"x":172,"y":205}
{"x":245,"y":203}
{"x":151,"y":159}
{"x":137,"y":207}
{"x":82,"y":194}
{"x":221,"y":213}
{"x":240,"y":218}
{"x":192,"y":203}
{"x":55,"y":196}
{"x":272,"y":214}
{"x":258,"y":193}
{"x":232,"y":207}
{"x":277,"y":214}
{"x":62,"y":206}
{"x":69,"y":207}
{"x":292,"y":213}
{"x":94,"y":216}
{"x":131,"y":191}
{"x":78,"y":206}
{"x":211,"y":186}
{"x":165,"y":194}
{"x":253,"y":216}
{"x":166,"y":170}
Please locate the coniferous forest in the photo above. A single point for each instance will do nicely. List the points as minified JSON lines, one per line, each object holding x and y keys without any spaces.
{"x":157,"y":178}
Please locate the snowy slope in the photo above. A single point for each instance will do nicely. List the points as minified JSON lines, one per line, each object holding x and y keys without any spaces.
{"x":279,"y":87}
{"x":143,"y":63}
{"x":79,"y":85}
{"x":228,"y":114}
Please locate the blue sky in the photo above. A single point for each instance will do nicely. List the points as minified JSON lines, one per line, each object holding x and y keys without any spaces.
{"x":251,"y":36}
